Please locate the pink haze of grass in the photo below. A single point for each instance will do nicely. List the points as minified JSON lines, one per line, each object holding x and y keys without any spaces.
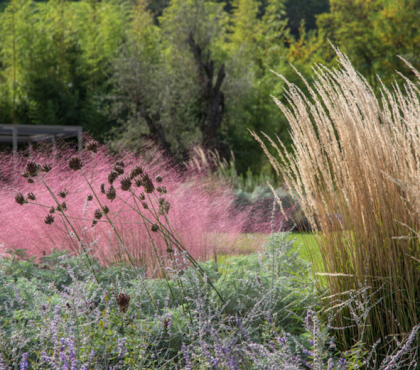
{"x":201,"y":211}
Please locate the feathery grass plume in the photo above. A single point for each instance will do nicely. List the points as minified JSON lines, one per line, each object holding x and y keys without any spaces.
{"x":348,"y":148}
{"x":202,"y":210}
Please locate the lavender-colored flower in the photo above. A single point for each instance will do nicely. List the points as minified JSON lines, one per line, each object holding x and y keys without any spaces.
{"x":2,"y":367}
{"x":24,"y":363}
{"x":122,"y":350}
{"x":186,"y":357}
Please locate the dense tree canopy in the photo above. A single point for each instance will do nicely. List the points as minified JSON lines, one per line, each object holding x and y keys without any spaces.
{"x":184,"y":72}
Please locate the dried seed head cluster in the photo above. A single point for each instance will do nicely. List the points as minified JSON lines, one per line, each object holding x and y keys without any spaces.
{"x":52,"y":210}
{"x":32,"y":168}
{"x":31,"y":181}
{"x":103,"y":188}
{"x":90,"y":197}
{"x":120,"y":163}
{"x":19,"y":198}
{"x":63,"y":206}
{"x":46,"y":168}
{"x":158,"y":179}
{"x":138,"y":182}
{"x":123,"y":301}
{"x":145,"y":206}
{"x":31,"y":196}
{"x":26,"y":174}
{"x":161,"y":189}
{"x":112,"y":176}
{"x":105,"y":209}
{"x":147,"y":183}
{"x":75,"y":163}
{"x":94,"y":222}
{"x":97,"y":214}
{"x":155,"y":228}
{"x":111,"y":193}
{"x":135,"y":171}
{"x":141,"y":196}
{"x":92,"y":146}
{"x":118,"y":169}
{"x":49,"y":219}
{"x":62,"y":193}
{"x":125,"y":183}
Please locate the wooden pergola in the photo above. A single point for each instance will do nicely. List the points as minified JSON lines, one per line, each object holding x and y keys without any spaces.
{"x":21,"y":134}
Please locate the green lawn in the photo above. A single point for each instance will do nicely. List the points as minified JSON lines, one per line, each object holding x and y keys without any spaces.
{"x":252,"y":243}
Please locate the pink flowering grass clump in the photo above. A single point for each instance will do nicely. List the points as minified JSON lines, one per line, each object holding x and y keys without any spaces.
{"x":157,"y":207}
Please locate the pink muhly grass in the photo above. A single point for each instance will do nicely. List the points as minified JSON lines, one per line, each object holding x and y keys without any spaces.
{"x":201,"y":212}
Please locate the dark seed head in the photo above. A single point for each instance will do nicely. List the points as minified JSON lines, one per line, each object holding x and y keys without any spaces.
{"x":92,"y":146}
{"x":94,"y":222}
{"x":90,"y":197}
{"x":123,"y":301}
{"x":135,"y":171}
{"x":112,"y":176}
{"x":32,"y":168}
{"x":125,"y":183}
{"x":31,"y":196}
{"x":31,"y":181}
{"x":155,"y":228}
{"x":141,"y":196}
{"x":111,"y":193}
{"x":63,"y":206}
{"x":26,"y":174}
{"x":105,"y":209}
{"x":19,"y":198}
{"x":75,"y":163}
{"x":138,"y":182}
{"x":161,"y":201}
{"x":97,"y":214}
{"x":46,"y":168}
{"x":120,"y":163}
{"x":103,"y":188}
{"x":119,"y":169}
{"x":62,"y":193}
{"x":52,"y":210}
{"x":161,"y":189}
{"x":49,"y":219}
{"x":159,"y":179}
{"x":147,"y":183}
{"x":145,"y":206}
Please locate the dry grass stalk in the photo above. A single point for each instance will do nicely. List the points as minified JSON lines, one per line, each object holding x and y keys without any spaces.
{"x":348,"y":148}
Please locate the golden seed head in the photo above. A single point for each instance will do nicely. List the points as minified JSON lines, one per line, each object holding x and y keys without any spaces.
{"x":75,"y":163}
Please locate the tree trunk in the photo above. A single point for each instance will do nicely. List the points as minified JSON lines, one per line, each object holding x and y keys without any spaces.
{"x":212,"y":99}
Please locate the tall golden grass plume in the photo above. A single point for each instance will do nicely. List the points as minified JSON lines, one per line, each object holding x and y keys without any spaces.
{"x":354,"y":161}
